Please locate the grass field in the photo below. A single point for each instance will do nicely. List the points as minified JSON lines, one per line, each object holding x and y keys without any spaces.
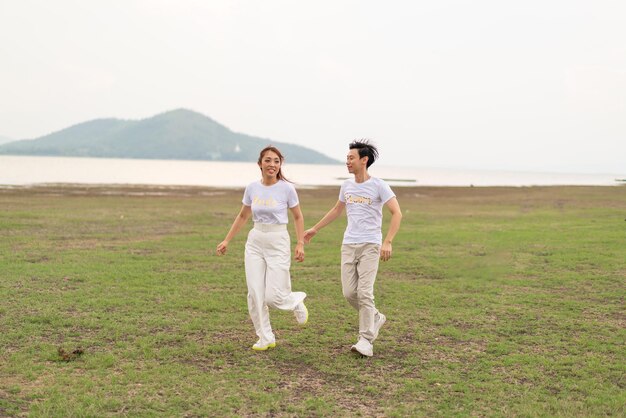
{"x":500,"y":302}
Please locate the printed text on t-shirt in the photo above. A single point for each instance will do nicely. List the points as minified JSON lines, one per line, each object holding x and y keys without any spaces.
{"x":357,"y":199}
{"x":269,"y":202}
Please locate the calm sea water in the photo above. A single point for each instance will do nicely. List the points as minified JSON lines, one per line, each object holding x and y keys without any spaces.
{"x":21,"y":171}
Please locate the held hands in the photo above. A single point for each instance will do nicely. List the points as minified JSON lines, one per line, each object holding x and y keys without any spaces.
{"x":221,"y":248}
{"x":309,"y":234}
{"x":385,"y":251}
{"x":299,"y":252}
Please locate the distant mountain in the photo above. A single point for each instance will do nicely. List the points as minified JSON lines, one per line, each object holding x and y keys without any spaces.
{"x":4,"y":139}
{"x":178,"y":135}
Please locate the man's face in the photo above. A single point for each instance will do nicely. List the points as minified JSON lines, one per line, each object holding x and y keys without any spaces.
{"x":355,"y":163}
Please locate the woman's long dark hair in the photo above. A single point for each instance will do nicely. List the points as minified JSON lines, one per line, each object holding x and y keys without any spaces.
{"x":275,"y":150}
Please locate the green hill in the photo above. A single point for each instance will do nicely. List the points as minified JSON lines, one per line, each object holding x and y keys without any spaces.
{"x":177,"y":135}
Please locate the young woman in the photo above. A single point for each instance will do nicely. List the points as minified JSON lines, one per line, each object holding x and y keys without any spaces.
{"x":268,"y":252}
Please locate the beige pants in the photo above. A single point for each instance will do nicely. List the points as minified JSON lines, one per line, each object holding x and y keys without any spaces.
{"x":359,"y":265}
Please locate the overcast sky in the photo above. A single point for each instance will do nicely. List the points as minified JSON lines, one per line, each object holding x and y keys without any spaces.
{"x":524,"y":85}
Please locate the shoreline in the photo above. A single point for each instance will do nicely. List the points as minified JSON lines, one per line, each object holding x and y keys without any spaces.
{"x":118,"y":189}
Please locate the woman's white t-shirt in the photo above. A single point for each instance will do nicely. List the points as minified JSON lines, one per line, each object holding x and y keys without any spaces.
{"x":364,"y":207}
{"x":270,"y":203}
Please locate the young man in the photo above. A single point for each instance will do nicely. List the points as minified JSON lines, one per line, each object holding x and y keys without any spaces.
{"x":363,"y":246}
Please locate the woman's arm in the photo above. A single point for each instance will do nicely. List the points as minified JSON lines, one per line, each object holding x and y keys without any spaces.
{"x":298,"y":220}
{"x":240,"y":220}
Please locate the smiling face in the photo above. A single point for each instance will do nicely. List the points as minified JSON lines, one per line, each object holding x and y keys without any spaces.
{"x":270,"y":164}
{"x":355,"y":163}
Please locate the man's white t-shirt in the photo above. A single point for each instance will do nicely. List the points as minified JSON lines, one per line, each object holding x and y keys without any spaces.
{"x":364,"y":207}
{"x":269,"y":203}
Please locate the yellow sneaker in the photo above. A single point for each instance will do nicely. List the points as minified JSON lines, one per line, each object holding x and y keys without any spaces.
{"x":262,"y":345}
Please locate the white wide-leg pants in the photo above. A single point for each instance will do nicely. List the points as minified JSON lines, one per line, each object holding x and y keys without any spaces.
{"x":267,"y":261}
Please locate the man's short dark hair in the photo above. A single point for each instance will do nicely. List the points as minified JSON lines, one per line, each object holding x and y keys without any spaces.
{"x":365,"y":149}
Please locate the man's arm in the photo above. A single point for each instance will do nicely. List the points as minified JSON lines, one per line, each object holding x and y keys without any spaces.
{"x":394,"y":226}
{"x":328,"y":218}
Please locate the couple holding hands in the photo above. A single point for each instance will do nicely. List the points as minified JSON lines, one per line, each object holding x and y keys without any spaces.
{"x":268,"y":253}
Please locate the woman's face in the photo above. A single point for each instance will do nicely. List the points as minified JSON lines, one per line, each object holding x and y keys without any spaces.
{"x":270,"y":164}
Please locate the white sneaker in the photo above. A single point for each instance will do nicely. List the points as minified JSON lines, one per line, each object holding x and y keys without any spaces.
{"x":363,"y":347}
{"x":263,"y":345}
{"x":301,"y":313}
{"x":378,"y":323}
